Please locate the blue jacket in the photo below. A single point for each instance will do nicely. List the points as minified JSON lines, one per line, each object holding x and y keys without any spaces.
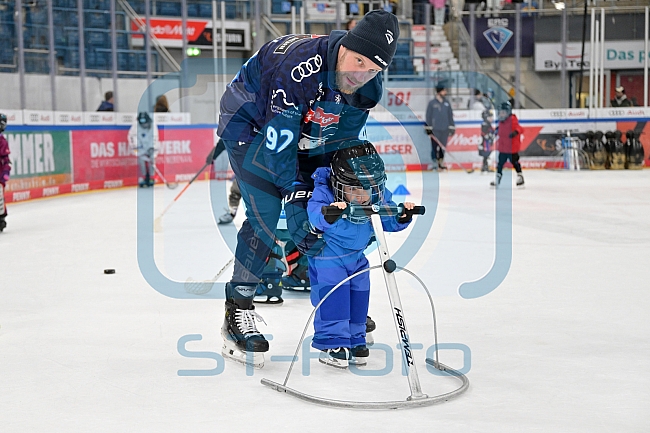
{"x":343,"y":238}
{"x":285,"y":98}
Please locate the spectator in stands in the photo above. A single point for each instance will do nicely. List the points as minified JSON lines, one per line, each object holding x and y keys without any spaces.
{"x":351,"y":24}
{"x":439,"y":125}
{"x":438,"y":12}
{"x":620,"y":99}
{"x":162,"y":106}
{"x":107,"y":103}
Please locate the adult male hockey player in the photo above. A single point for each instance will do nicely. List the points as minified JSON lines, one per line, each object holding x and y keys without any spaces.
{"x":297,"y":98}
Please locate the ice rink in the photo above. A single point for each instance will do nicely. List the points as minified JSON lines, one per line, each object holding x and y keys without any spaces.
{"x":562,"y":345}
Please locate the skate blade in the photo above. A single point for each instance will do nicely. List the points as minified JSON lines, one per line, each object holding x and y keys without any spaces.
{"x":369,"y":339}
{"x":270,"y":300}
{"x":251,"y":359}
{"x":359,"y":361}
{"x":341,"y":364}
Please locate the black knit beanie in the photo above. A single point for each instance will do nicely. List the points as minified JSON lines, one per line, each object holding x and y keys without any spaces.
{"x":375,"y":37}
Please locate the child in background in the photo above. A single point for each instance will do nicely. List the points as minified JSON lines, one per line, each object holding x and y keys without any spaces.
{"x":356,"y":175}
{"x":487,"y":139}
{"x":508,"y":143}
{"x":5,"y":169}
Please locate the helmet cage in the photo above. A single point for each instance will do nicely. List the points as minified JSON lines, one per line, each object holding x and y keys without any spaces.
{"x":358,"y":180}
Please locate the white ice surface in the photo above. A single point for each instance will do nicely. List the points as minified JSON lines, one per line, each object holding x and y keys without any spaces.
{"x":562,"y":345}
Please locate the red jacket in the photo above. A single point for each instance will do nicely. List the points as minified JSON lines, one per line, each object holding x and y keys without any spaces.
{"x":506,"y":144}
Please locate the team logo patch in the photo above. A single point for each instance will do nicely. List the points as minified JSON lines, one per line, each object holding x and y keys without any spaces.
{"x":498,"y":37}
{"x":307,"y":68}
{"x":321,"y":117}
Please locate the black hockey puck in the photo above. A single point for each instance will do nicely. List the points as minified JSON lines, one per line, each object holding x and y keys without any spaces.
{"x":109,"y":271}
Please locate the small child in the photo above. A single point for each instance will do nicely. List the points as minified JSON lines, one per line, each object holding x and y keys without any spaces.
{"x":143,"y":139}
{"x":356,"y":175}
{"x":508,"y":143}
{"x":487,"y":139}
{"x":5,"y":169}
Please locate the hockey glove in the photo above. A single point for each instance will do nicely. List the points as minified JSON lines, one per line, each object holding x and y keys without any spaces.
{"x":452,"y":130}
{"x":513,"y":134}
{"x":309,"y":240}
{"x":215,"y":152}
{"x":428,"y":129}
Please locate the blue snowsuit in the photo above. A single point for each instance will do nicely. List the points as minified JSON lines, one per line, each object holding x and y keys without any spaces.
{"x":280,"y":116}
{"x":341,"y":320}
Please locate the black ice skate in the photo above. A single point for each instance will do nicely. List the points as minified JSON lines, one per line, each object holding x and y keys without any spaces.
{"x":497,"y":180}
{"x":520,"y":180}
{"x":441,"y":164}
{"x":242,"y":341}
{"x":226,"y":218}
{"x":269,"y":291}
{"x":3,"y":223}
{"x":370,"y":326}
{"x":337,"y":358}
{"x":359,"y":355}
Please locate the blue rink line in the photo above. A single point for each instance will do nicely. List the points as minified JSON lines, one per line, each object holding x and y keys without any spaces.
{"x":26,"y":128}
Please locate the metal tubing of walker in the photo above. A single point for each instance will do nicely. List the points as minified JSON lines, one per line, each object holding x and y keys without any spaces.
{"x":417,"y":398}
{"x":398,"y":311}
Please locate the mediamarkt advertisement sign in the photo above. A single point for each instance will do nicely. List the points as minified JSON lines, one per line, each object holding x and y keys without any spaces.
{"x":169,"y":32}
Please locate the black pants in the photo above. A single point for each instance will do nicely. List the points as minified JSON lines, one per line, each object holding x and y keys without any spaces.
{"x":438,"y":152}
{"x":514,"y":159}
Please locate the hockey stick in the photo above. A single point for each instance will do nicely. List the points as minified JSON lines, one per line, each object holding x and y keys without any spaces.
{"x":157,"y":224}
{"x":203,"y":287}
{"x":170,"y":185}
{"x":470,"y":171}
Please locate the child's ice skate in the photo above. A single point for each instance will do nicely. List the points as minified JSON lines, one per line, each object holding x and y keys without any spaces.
{"x":243,"y":343}
{"x":497,"y":180}
{"x":337,"y":358}
{"x":520,"y":181}
{"x":370,"y":326}
{"x":359,"y":355}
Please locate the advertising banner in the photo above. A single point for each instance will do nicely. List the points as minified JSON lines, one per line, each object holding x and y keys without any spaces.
{"x":169,"y":32}
{"x":103,"y":155}
{"x":495,"y":37}
{"x":618,"y":55}
{"x":39,"y":159}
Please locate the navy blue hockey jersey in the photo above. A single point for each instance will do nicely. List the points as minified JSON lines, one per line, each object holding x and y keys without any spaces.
{"x":285,"y":98}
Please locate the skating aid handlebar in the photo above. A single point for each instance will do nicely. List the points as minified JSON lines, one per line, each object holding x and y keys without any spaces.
{"x":332,"y":213}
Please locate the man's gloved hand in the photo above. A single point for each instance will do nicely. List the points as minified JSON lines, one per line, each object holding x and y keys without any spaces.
{"x":452,"y":130}
{"x":308,"y":239}
{"x":215,"y":152}
{"x":513,"y":134}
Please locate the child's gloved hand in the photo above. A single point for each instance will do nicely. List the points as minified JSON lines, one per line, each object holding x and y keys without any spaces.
{"x":406,"y":218}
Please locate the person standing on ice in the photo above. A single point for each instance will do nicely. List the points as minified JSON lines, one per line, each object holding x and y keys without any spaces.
{"x":5,"y":169}
{"x":356,"y":176}
{"x":298,"y":98}
{"x":143,"y":139}
{"x":508,"y":143}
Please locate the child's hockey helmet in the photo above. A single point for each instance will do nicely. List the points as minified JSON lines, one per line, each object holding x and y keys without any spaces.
{"x":358,"y":167}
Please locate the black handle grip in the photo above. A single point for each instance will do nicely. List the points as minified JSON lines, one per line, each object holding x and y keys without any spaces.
{"x":332,"y":213}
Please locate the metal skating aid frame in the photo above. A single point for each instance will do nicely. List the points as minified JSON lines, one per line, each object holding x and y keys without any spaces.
{"x":417,"y":398}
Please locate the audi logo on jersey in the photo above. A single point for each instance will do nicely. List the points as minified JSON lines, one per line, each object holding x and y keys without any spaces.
{"x":321,"y":117}
{"x":307,"y":68}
